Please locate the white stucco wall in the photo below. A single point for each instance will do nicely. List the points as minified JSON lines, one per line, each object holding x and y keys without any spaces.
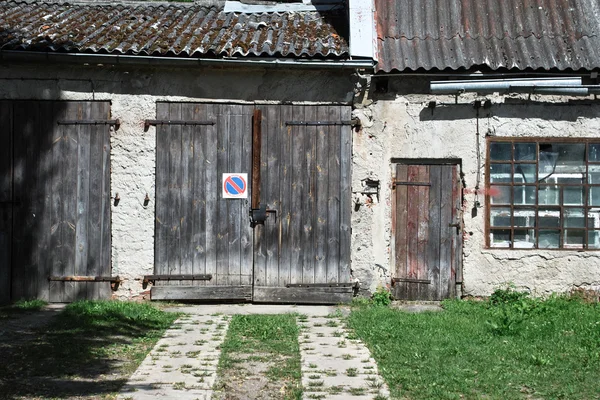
{"x":133,"y":93}
{"x":399,"y":124}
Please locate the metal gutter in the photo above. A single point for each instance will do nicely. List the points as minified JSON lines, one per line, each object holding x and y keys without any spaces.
{"x":125,"y":59}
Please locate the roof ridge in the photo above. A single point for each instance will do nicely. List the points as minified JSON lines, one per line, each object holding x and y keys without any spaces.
{"x":488,"y":37}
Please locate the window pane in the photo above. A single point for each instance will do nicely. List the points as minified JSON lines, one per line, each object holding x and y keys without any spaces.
{"x":501,"y":173}
{"x":500,"y":194}
{"x":548,"y":195}
{"x":594,"y":239}
{"x":524,"y":239}
{"x":594,"y":174}
{"x":574,"y":218}
{"x":594,"y":218}
{"x":573,"y":239}
{"x":500,"y":238}
{"x":594,"y":199}
{"x":524,"y":194}
{"x":549,"y":239}
{"x":500,"y":216}
{"x":573,"y":195}
{"x":525,"y":152}
{"x":548,"y":218}
{"x":561,"y":162}
{"x":500,"y":151}
{"x":594,"y":152}
{"x":524,"y":217}
{"x":525,"y":173}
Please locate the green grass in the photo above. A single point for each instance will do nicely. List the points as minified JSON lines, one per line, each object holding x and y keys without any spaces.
{"x":270,"y":338}
{"x":87,"y":341}
{"x":20,"y":307}
{"x":511,"y":347}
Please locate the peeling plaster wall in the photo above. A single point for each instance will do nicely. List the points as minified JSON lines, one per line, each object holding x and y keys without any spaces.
{"x":399,"y":124}
{"x":133,"y":93}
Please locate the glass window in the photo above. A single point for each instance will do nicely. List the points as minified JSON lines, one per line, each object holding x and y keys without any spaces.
{"x":544,"y":194}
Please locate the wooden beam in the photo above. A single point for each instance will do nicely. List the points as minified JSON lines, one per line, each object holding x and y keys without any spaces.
{"x":239,"y":293}
{"x":301,"y":295}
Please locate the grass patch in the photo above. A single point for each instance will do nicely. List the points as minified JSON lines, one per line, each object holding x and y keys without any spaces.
{"x":276,"y":337}
{"x":20,"y":307}
{"x":88,"y":341}
{"x":511,"y":347}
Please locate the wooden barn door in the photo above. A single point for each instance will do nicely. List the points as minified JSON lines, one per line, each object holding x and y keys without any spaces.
{"x":427,"y":233}
{"x":203,"y":242}
{"x":55,"y":219}
{"x":302,"y":252}
{"x":208,"y":247}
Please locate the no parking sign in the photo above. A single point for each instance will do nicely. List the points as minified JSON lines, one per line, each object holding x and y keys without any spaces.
{"x":235,"y":186}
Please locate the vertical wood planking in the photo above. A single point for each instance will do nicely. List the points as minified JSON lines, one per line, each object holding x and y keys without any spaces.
{"x":211,"y":190}
{"x":456,"y":274}
{"x":345,"y":194}
{"x":297,"y":259}
{"x":186,"y":168}
{"x":270,"y":191}
{"x":260,"y":231}
{"x":286,"y":273}
{"x":246,"y":166}
{"x":161,"y":231}
{"x":104,"y":291}
{"x":433,"y":242}
{"x":412,"y":230}
{"x":320,"y":216}
{"x":6,"y":195}
{"x":422,"y":231}
{"x":198,"y":200}
{"x":234,"y":206}
{"x":309,"y":183}
{"x":174,"y":197}
{"x":446,"y":231}
{"x":333,"y":198}
{"x":401,"y":245}
{"x":223,"y":129}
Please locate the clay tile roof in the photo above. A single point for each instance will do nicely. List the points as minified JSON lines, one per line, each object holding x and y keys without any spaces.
{"x":507,"y":34}
{"x":176,"y":30}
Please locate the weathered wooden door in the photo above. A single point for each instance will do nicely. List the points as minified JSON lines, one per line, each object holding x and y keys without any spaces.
{"x":427,"y":231}
{"x":6,"y":200}
{"x":56,"y":217}
{"x":208,"y":248}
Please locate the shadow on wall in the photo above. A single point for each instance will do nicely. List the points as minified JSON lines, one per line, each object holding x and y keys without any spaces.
{"x":515,"y":109}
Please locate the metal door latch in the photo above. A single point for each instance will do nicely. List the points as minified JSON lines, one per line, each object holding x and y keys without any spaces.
{"x":260,"y":214}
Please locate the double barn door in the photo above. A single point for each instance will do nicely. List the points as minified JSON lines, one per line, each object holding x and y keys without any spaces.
{"x":289,"y":239}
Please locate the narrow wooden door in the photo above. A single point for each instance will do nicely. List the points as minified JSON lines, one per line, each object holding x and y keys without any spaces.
{"x":6,"y":199}
{"x":203,"y":241}
{"x":302,"y":252}
{"x":427,"y":233}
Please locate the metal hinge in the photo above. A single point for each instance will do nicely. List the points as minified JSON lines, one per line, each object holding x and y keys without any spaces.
{"x":156,"y":122}
{"x":412,"y":183}
{"x":320,"y":123}
{"x":309,"y":285}
{"x":424,"y":281}
{"x":115,"y":122}
{"x":154,"y":278}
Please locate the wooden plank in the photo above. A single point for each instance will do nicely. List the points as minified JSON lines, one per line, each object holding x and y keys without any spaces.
{"x":302,"y":295}
{"x":186,"y":246}
{"x":286,"y":273}
{"x":222,"y":221}
{"x":345,"y":194}
{"x":433,"y":243}
{"x":84,"y":133}
{"x":422,"y":231}
{"x":457,"y":243}
{"x":234,"y":206}
{"x":333,"y":198}
{"x":6,"y":195}
{"x":320,"y":213}
{"x":104,"y":290}
{"x":58,"y":133}
{"x":270,"y":192}
{"x":175,"y":205}
{"x":212,"y":190}
{"x":297,"y":191}
{"x":198,"y":166}
{"x":446,"y":232}
{"x":161,"y":225}
{"x":412,"y":226}
{"x":246,"y":230}
{"x":400,"y":231}
{"x":310,"y":272}
{"x":260,"y":238}
{"x":240,"y":293}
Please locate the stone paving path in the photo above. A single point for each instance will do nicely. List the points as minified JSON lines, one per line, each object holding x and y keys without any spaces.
{"x":334,"y":364}
{"x":183,"y":364}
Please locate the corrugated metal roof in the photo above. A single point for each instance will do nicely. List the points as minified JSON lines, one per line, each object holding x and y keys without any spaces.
{"x":512,"y":34}
{"x":170,"y":30}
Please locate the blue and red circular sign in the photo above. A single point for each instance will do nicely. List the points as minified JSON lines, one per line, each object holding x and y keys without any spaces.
{"x":235,"y":186}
